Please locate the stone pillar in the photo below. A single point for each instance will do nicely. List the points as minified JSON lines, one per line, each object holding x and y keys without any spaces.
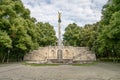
{"x":59,"y":52}
{"x":59,"y":31}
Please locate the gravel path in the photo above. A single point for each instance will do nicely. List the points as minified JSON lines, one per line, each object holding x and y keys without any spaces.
{"x":100,"y":71}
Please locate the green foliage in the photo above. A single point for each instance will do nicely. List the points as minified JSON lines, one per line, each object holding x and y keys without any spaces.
{"x":107,"y":42}
{"x":102,"y":37}
{"x":18,"y":32}
{"x":110,"y":59}
{"x":46,"y":34}
{"x":80,"y":36}
{"x":5,"y":40}
{"x":72,"y":35}
{"x":5,"y":43}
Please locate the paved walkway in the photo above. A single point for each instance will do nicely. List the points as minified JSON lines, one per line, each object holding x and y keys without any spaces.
{"x":100,"y":71}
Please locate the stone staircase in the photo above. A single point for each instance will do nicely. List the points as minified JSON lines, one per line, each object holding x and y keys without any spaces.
{"x":84,"y":55}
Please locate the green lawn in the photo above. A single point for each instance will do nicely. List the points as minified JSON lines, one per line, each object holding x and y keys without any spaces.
{"x":34,"y":64}
{"x":85,"y":64}
{"x":76,"y":64}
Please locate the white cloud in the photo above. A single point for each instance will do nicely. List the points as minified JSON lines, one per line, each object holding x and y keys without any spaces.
{"x":79,"y":11}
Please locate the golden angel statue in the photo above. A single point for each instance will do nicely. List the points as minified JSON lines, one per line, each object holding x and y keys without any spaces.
{"x":59,"y":17}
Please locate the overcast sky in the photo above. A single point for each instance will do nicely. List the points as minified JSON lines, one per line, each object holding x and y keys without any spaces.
{"x":79,"y":11}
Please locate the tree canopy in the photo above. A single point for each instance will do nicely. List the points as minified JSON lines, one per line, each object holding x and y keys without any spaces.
{"x":19,"y":32}
{"x":102,"y":37}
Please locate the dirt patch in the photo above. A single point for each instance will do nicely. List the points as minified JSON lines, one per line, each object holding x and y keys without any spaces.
{"x":100,"y":71}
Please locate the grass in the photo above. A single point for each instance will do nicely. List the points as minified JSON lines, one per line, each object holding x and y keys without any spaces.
{"x":111,"y":59}
{"x":34,"y":64}
{"x":86,"y":64}
{"x":76,"y":64}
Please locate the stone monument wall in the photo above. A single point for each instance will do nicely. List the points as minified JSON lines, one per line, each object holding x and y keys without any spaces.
{"x":74,"y":54}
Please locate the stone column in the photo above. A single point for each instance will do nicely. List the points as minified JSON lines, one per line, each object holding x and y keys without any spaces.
{"x":59,"y":30}
{"x":59,"y":52}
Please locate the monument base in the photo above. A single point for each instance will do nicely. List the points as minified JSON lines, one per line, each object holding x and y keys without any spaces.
{"x":68,"y":55}
{"x":64,"y":61}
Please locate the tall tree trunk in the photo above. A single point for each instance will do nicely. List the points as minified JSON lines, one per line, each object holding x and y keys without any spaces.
{"x":3,"y":60}
{"x":8,"y":56}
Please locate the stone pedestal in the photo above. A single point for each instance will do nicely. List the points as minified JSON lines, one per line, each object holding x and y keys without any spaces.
{"x":67,"y":54}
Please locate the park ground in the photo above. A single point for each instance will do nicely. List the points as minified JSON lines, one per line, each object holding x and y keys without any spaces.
{"x":99,"y":71}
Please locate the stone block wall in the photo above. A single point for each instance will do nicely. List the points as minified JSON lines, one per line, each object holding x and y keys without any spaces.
{"x":45,"y":54}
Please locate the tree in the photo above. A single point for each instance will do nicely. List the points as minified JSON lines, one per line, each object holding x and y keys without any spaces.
{"x":107,"y":42}
{"x":46,"y":34}
{"x":72,"y":35}
{"x":5,"y":43}
{"x":16,"y":22}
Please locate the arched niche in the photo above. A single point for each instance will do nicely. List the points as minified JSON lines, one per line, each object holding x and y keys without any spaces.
{"x":67,"y":53}
{"x":53,"y":53}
